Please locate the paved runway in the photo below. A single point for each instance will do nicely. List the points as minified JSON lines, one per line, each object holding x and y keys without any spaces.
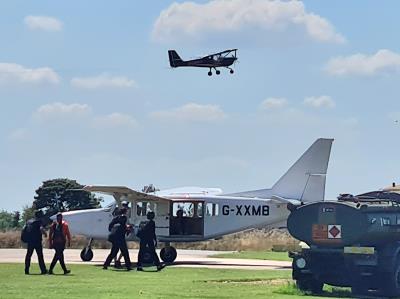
{"x":186,"y":258}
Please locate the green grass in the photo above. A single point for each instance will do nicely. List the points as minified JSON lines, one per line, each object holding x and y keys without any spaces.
{"x":258,"y":255}
{"x":92,"y":282}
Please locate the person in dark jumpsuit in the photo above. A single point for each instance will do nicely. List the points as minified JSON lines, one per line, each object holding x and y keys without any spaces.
{"x":148,"y":241}
{"x":35,"y":242}
{"x":119,"y":228}
{"x":59,"y":237}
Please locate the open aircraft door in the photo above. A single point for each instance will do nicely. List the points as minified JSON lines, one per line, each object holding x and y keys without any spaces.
{"x":187,"y":219}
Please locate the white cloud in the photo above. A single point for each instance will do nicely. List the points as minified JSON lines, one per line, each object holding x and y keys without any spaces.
{"x":115,"y":120}
{"x":273,"y":103}
{"x":11,"y":72}
{"x":192,"y":21}
{"x":43,"y":23}
{"x":365,"y":65}
{"x":60,"y":111}
{"x":192,"y":112}
{"x":19,"y":134}
{"x":319,"y":102}
{"x":102,"y":81}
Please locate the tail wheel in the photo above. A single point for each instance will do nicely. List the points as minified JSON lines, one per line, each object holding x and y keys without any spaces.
{"x":87,"y":254}
{"x":168,"y":254}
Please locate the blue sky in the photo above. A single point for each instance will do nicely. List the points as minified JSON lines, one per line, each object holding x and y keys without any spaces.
{"x":86,"y":92}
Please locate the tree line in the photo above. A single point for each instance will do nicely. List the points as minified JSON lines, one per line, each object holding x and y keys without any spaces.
{"x":53,"y":196}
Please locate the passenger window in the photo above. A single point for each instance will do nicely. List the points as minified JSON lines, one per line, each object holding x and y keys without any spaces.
{"x":212,"y":209}
{"x":385,"y":221}
{"x":143,"y":207}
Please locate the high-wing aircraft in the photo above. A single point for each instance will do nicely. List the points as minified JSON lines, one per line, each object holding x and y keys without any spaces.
{"x":191,"y":214}
{"x":213,"y":61}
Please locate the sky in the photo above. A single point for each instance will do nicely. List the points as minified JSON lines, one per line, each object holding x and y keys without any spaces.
{"x":86,"y":93}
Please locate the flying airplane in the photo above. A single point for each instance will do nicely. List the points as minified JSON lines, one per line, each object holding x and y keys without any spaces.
{"x":192,"y":214}
{"x":213,"y":61}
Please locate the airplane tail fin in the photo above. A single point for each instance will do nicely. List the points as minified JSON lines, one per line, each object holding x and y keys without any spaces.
{"x":304,"y":181}
{"x":174,"y":59}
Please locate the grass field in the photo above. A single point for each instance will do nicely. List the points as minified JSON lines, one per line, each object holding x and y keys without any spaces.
{"x":259,"y":255}
{"x":93,"y":282}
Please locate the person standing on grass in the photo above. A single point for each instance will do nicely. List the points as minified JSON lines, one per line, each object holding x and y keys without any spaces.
{"x":59,"y":236}
{"x":32,"y":235}
{"x":148,"y":241}
{"x":118,"y":229}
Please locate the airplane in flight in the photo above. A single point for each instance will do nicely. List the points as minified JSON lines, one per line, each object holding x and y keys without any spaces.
{"x":213,"y":61}
{"x":192,"y":214}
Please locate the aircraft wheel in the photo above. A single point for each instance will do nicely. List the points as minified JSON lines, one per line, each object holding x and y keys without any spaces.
{"x":218,"y":72}
{"x":231,"y":71}
{"x":168,"y":254}
{"x":210,"y":73}
{"x":87,"y":254}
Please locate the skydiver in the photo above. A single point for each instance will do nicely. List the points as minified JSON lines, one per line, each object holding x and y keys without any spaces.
{"x":148,"y":241}
{"x":32,"y":235}
{"x":118,"y":229}
{"x":59,"y":236}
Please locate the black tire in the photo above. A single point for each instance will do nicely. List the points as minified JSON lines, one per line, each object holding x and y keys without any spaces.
{"x":210,"y":73}
{"x":231,"y":71}
{"x":391,"y":281}
{"x":311,"y":285}
{"x":168,"y":254}
{"x":86,"y":254}
{"x":357,"y":290}
{"x":218,"y":72}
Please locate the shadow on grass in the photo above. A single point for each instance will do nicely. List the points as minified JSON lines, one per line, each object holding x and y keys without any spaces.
{"x":290,"y":289}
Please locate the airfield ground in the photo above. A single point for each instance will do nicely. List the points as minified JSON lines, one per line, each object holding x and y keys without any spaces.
{"x":196,"y":274}
{"x":255,"y":255}
{"x":186,"y":258}
{"x":90,"y":281}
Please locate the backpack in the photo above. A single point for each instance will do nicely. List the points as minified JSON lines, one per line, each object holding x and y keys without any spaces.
{"x":141,"y":231}
{"x":26,"y":233}
{"x":58,"y":234}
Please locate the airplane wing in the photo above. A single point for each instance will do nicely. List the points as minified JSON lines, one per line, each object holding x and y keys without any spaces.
{"x":223,"y":52}
{"x":120,"y":191}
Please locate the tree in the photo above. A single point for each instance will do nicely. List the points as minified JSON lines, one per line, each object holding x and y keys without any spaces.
{"x":16,"y":218}
{"x":27,"y":213}
{"x":6,"y":220}
{"x":61,"y":195}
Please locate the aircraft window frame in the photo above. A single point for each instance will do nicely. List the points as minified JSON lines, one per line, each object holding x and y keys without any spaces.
{"x":150,"y":206}
{"x":212,"y":209}
{"x":191,"y":209}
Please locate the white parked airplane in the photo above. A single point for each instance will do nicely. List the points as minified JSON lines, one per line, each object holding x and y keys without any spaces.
{"x":196,"y":214}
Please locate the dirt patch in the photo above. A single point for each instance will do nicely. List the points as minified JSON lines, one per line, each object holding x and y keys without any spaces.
{"x":255,"y":281}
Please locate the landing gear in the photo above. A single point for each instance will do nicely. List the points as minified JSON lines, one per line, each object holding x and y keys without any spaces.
{"x":168,"y":253}
{"x":231,"y":71}
{"x":210,"y":72}
{"x":218,"y":72}
{"x":87,"y":252}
